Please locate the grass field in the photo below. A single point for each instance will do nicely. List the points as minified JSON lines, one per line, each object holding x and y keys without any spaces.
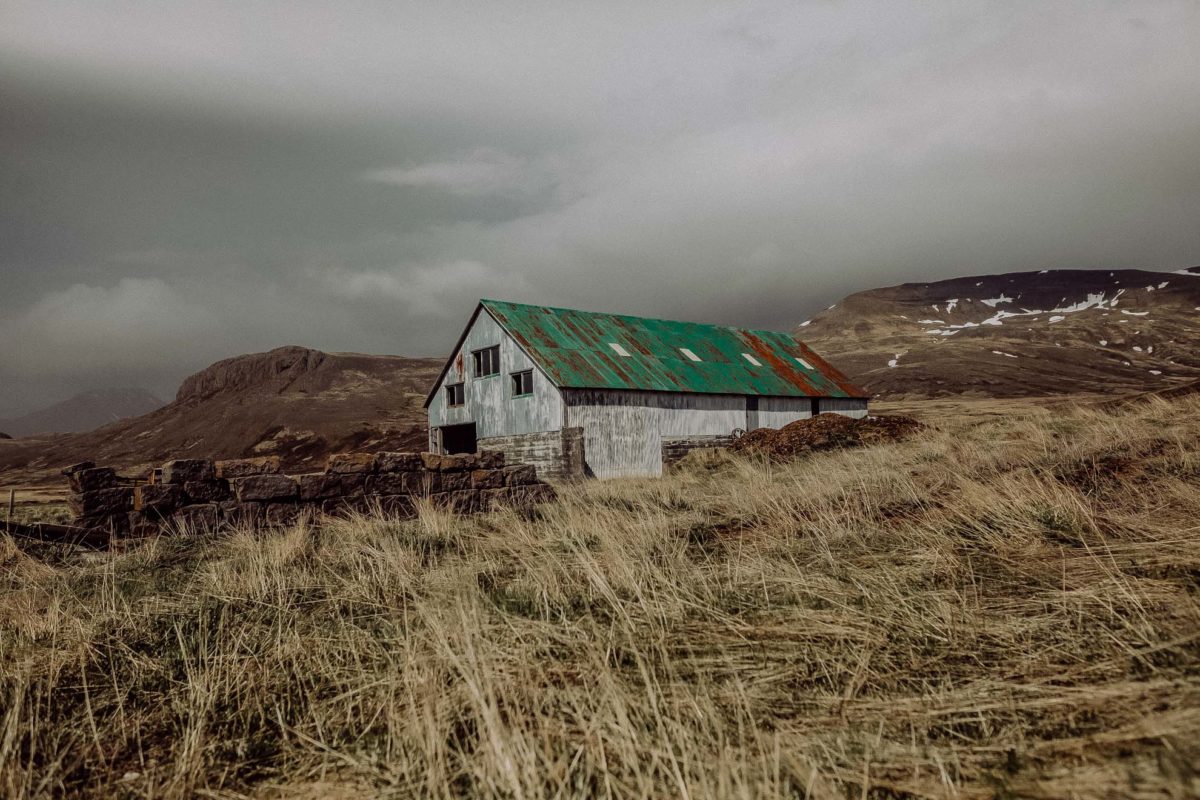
{"x":1004,"y":605}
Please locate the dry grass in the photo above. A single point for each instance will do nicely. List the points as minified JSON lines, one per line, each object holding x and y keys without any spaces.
{"x":997,"y":607}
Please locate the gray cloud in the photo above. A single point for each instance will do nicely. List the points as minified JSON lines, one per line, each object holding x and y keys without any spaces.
{"x":182,"y":182}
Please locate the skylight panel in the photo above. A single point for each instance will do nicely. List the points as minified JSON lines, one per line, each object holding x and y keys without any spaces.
{"x":752,"y":359}
{"x":621,"y":351}
{"x":803,"y":363}
{"x":689,"y":354}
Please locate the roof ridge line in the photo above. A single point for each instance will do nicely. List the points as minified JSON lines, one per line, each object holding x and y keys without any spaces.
{"x":486,"y":300}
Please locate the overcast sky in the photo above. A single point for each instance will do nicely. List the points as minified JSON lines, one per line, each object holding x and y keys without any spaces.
{"x":184,"y":181}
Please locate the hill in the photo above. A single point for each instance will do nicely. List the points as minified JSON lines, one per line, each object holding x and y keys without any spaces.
{"x":297,"y":403}
{"x":998,"y":607}
{"x":83,"y":412}
{"x":1017,"y":334}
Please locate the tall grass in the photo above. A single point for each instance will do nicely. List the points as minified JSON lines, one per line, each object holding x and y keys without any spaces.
{"x":998,"y":607}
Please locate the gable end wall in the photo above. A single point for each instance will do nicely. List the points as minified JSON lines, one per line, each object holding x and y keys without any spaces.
{"x":489,"y":402}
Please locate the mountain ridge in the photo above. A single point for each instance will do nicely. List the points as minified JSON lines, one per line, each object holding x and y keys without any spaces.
{"x":294,"y":402}
{"x":83,"y":412}
{"x":1017,"y":334}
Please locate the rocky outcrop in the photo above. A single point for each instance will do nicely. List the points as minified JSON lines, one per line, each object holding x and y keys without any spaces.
{"x":200,"y":495}
{"x":239,"y":374}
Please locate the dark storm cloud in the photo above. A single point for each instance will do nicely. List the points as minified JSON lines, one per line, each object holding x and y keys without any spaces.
{"x":181,"y":182}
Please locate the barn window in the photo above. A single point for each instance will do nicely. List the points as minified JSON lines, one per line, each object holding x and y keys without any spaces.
{"x":804,"y":363}
{"x":454,"y":394}
{"x":621,"y":351}
{"x":487,"y":361}
{"x":752,"y":359}
{"x":522,"y":382}
{"x":689,"y":354}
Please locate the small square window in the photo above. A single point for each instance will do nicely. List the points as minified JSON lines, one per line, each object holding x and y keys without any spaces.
{"x":689,"y":354}
{"x":522,"y":383}
{"x":752,"y":359}
{"x":803,"y":363}
{"x":487,"y":361}
{"x":621,"y":351}
{"x":455,"y":394}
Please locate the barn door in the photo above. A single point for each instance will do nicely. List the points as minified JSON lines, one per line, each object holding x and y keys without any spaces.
{"x":458,"y":438}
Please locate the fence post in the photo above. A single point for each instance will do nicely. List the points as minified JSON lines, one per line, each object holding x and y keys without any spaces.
{"x":12,"y":499}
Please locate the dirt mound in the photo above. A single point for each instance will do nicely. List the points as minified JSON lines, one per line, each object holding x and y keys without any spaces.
{"x":823,"y":432}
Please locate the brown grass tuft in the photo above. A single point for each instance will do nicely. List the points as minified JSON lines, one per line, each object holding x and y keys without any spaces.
{"x":995,"y":607}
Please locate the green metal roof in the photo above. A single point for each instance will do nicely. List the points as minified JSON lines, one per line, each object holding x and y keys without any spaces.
{"x":574,"y":349}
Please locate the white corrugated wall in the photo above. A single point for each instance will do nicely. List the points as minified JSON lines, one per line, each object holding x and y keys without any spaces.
{"x":848,"y":406}
{"x":623,"y":430}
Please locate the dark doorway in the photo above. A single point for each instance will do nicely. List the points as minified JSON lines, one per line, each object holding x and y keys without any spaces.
{"x":816,"y":407}
{"x":458,"y":438}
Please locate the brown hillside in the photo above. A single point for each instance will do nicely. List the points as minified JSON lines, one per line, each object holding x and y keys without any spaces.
{"x":297,"y":403}
{"x":1018,"y":334}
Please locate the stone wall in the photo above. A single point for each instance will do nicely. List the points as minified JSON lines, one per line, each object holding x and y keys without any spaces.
{"x":558,"y":455}
{"x":198,"y":494}
{"x":675,"y":448}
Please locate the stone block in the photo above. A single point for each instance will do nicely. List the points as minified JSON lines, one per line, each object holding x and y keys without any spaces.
{"x":461,"y":461}
{"x":398,"y":462}
{"x":214,"y":491}
{"x":241,"y":515}
{"x":354,"y":484}
{"x":92,"y":479}
{"x":437,"y":482}
{"x":462,"y":501}
{"x":492,"y":499}
{"x":350,"y":463}
{"x":325,"y":486}
{"x":184,"y":470}
{"x":282,"y":515}
{"x":432,"y":461}
{"x":454,"y":481}
{"x":320,"y":486}
{"x":427,"y":483}
{"x":102,"y":502}
{"x":388,"y":483}
{"x":197,"y":518}
{"x":449,"y":463}
{"x":157,"y":499}
{"x":142,"y":525}
{"x":245,"y":467}
{"x":80,"y":467}
{"x":116,"y":524}
{"x":487,"y":479}
{"x":345,"y":506}
{"x":265,"y":488}
{"x":490,"y":459}
{"x":520,"y":475}
{"x":397,"y":505}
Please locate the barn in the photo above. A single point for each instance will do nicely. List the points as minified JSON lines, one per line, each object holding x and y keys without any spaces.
{"x":579,"y":393}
